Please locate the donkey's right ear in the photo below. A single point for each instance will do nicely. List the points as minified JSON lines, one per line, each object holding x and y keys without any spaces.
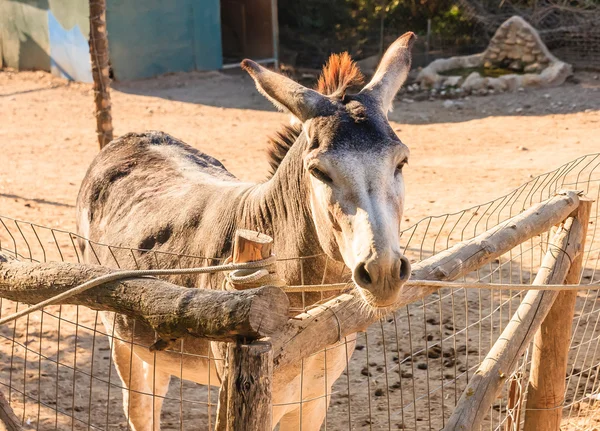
{"x":391,"y":72}
{"x":286,"y":94}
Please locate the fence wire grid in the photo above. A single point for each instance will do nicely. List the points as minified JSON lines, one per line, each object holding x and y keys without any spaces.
{"x":405,"y":372}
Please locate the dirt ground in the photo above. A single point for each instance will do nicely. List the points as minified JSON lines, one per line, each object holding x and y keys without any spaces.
{"x":461,"y":155}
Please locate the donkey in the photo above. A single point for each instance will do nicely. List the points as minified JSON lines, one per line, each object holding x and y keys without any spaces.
{"x":336,"y":191}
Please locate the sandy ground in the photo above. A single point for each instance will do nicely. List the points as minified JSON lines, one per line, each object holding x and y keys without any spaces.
{"x":461,"y":155}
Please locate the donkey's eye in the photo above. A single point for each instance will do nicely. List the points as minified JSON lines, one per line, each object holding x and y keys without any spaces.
{"x":400,"y":166}
{"x":320,"y":175}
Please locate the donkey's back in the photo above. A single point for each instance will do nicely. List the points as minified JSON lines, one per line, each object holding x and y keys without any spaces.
{"x":150,"y":191}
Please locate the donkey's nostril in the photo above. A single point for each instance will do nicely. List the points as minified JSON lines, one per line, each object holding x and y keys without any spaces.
{"x":361,"y":275}
{"x":404,"y":269}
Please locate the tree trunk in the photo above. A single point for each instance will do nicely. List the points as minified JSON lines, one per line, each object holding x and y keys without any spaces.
{"x":100,"y":71}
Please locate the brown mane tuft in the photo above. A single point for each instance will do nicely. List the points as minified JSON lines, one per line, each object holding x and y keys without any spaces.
{"x":280,"y":143}
{"x":340,"y":73}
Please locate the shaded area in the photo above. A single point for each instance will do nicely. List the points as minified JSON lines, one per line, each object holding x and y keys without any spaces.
{"x":234,"y":89}
{"x":39,"y":201}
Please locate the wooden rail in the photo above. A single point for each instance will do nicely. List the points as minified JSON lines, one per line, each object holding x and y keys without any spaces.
{"x":546,"y":387}
{"x":173,"y":311}
{"x":500,"y":362}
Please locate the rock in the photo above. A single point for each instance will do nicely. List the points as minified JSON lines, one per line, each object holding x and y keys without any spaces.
{"x":515,"y":65}
{"x":453,"y":81}
{"x":497,"y":84}
{"x":429,"y":78}
{"x":532,"y":68}
{"x":368,"y":65}
{"x":422,"y":366}
{"x":473,"y":82}
{"x":528,"y":58}
{"x":531,"y":80}
{"x":516,"y":40}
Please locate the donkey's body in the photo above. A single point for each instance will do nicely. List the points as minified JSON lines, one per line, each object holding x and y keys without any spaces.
{"x":201,"y":205}
{"x":337,"y":191}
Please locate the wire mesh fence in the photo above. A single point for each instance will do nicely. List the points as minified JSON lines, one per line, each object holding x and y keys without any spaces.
{"x":407,"y":371}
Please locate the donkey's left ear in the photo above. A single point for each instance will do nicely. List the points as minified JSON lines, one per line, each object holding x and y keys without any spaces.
{"x":391,"y":72}
{"x":286,"y":94}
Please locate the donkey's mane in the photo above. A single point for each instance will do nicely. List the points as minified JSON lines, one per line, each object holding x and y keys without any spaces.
{"x":339,"y":74}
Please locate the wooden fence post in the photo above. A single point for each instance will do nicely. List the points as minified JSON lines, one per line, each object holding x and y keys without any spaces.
{"x":8,"y":419}
{"x":100,"y":71}
{"x":487,"y":382}
{"x":250,"y":380}
{"x":245,"y":408}
{"x":546,"y":387}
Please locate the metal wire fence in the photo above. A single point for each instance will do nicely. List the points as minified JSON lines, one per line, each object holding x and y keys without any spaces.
{"x":405,"y":372}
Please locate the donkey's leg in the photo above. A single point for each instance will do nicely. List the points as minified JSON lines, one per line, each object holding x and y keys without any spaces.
{"x":139,"y":379}
{"x":158,"y":382}
{"x":315,"y":387}
{"x":313,"y":415}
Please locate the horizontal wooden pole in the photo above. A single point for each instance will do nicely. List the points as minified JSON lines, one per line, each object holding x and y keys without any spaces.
{"x":173,"y":311}
{"x":346,"y":314}
{"x":487,"y":382}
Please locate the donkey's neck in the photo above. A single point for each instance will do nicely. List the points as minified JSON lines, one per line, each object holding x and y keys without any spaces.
{"x":280,"y":208}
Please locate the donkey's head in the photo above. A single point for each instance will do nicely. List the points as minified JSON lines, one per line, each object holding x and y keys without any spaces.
{"x":353,"y":163}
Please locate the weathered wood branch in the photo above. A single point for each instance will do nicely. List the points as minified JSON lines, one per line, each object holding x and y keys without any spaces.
{"x":8,"y":420}
{"x":500,"y":362}
{"x":546,"y":387}
{"x":173,"y":311}
{"x":100,"y":71}
{"x":345,"y":314}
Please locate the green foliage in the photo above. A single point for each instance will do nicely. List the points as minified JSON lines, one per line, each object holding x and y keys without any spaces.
{"x":324,"y":26}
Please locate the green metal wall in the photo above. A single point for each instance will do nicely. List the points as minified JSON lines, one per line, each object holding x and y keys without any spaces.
{"x":151,"y":37}
{"x":146,"y":37}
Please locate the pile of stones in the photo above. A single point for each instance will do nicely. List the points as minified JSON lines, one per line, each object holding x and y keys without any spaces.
{"x":516,"y":47}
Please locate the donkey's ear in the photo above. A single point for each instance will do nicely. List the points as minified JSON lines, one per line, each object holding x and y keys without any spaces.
{"x":391,"y":72}
{"x":284,"y":93}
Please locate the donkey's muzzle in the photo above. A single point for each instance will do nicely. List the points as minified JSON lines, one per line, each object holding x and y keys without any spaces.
{"x":382,"y":277}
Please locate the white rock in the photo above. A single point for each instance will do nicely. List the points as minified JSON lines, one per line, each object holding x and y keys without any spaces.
{"x":453,"y":81}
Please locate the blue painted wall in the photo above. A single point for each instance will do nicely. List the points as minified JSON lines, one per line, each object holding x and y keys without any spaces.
{"x":151,"y":37}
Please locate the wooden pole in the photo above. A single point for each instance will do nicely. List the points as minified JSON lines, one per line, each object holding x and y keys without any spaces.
{"x":546,"y":387}
{"x":100,"y":71}
{"x":249,"y":388}
{"x":8,"y":419}
{"x":248,"y":246}
{"x":500,"y":362}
